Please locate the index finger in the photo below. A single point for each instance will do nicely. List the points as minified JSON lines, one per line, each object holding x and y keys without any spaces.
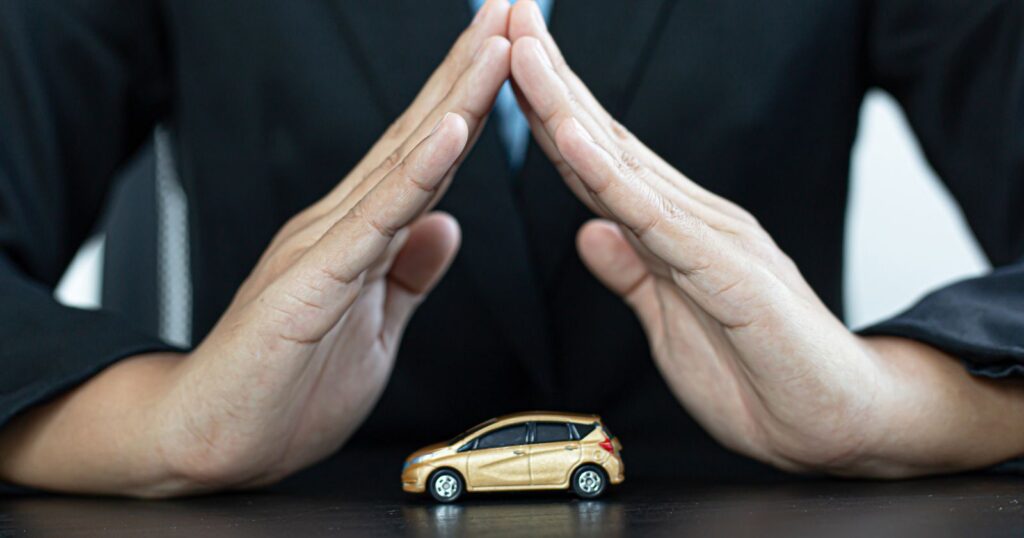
{"x":309,"y":298}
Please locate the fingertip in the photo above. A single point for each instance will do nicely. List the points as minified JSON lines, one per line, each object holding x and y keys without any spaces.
{"x":455,"y":128}
{"x":609,"y":256}
{"x":530,"y":48}
{"x":517,"y":21}
{"x":503,"y":9}
{"x":441,"y":148}
{"x":496,"y":47}
{"x":501,"y":6}
{"x":497,"y":41}
{"x":447,"y":225}
{"x":595,"y":233}
{"x":525,"y":19}
{"x":492,"y":17}
{"x":518,"y":59}
{"x":428,"y":252}
{"x":528,"y":60}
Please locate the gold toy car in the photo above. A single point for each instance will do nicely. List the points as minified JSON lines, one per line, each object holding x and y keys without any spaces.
{"x":524,"y":451}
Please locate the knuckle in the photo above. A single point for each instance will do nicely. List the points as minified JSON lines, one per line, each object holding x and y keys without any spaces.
{"x":647,"y":224}
{"x":573,"y":101}
{"x":283,"y":259}
{"x":558,"y":114}
{"x":620,"y":131}
{"x":671,"y":211}
{"x":374,"y":223}
{"x":333,"y":275}
{"x":392,"y":160}
{"x":630,"y":165}
{"x":699,"y":263}
{"x":554,"y":117}
{"x":687,"y":221}
{"x":469,"y":112}
{"x":645,"y":227}
{"x":412,"y":179}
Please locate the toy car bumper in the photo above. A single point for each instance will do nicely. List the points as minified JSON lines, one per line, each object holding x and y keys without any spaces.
{"x":414,"y":478}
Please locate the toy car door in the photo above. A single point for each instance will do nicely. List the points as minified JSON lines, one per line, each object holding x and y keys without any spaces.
{"x":500,"y":459}
{"x":553,"y":454}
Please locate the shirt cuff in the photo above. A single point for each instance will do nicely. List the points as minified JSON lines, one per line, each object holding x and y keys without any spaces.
{"x":979,"y":320}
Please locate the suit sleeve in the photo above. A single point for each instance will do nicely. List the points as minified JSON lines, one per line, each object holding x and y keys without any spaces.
{"x":957,"y":68}
{"x":82,"y":83}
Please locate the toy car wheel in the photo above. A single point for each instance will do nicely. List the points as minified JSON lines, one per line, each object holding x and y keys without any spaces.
{"x":589,"y":481}
{"x":445,"y":486}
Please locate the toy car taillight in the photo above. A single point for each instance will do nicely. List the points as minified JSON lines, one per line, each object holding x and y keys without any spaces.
{"x":607,"y":445}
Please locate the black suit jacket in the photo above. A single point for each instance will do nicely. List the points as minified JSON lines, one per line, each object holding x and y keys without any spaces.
{"x":270,"y":103}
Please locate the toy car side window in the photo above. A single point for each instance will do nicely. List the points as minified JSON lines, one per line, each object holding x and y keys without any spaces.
{"x":507,"y":436}
{"x":550,"y":432}
{"x":584,"y":429}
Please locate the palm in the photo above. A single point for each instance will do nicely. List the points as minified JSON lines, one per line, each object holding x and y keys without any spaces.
{"x":747,"y":386}
{"x":350,"y":369}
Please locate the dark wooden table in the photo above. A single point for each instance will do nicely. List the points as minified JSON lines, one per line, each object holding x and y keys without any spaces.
{"x":974,"y":505}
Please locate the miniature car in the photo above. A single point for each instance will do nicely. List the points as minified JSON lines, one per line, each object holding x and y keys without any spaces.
{"x":524,"y":451}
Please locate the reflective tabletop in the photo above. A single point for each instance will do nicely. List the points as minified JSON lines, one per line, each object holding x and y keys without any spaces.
{"x":365,"y":499}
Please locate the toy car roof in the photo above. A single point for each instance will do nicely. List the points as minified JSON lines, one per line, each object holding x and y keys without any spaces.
{"x":546,"y":415}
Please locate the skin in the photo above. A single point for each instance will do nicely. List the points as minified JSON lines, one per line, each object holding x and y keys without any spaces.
{"x":745,"y":344}
{"x":304,"y":350}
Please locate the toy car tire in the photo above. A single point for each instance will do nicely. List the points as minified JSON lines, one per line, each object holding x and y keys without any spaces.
{"x":589,"y":481}
{"x":445,"y":486}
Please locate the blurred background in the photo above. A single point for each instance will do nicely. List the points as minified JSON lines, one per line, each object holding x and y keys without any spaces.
{"x":905,"y":234}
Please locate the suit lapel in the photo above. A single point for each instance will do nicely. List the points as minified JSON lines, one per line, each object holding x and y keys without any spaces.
{"x":494,"y":246}
{"x":607,"y":43}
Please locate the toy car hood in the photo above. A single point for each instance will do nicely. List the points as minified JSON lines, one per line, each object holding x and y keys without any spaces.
{"x":426,"y":450}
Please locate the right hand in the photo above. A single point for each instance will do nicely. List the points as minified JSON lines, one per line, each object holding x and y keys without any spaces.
{"x":306,"y":347}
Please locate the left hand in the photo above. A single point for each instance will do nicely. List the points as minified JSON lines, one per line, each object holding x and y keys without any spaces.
{"x":745,"y":344}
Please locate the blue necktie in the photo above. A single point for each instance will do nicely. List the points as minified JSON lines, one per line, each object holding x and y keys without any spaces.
{"x":513,"y":129}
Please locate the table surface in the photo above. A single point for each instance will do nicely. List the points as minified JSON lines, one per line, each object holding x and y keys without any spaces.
{"x":970,"y":505}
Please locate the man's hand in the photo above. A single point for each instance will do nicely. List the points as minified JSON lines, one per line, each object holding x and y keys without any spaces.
{"x":745,"y":344}
{"x":305,"y":349}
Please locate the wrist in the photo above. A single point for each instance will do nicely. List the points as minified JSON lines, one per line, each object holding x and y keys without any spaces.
{"x":929,"y":415}
{"x":100,"y":437}
{"x":204,"y":439}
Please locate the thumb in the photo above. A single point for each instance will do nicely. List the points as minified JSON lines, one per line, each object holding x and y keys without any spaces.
{"x":607,"y":253}
{"x":424,"y":258}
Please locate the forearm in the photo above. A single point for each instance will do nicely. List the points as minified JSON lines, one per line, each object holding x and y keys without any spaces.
{"x":102,"y":437}
{"x":936,"y":417}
